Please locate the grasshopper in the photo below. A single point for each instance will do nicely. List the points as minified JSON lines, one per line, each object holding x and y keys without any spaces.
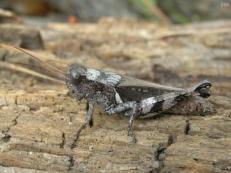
{"x":116,"y":93}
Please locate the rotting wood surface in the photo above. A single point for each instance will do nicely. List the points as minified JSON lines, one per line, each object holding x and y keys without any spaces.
{"x":38,"y":120}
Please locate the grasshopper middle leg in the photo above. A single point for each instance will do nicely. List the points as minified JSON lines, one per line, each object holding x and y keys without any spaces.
{"x":130,"y":109}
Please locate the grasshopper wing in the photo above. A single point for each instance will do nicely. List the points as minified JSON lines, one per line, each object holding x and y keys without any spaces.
{"x":132,"y":89}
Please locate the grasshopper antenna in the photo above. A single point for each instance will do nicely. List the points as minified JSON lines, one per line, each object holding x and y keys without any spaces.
{"x":32,"y":55}
{"x":36,"y":58}
{"x":28,"y":71}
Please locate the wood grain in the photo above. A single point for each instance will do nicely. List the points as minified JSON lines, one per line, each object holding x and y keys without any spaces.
{"x":38,"y":120}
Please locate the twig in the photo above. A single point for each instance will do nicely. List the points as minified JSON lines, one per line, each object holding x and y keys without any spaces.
{"x":192,"y":32}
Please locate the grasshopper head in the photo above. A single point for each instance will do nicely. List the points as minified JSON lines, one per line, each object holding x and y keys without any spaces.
{"x":75,"y":75}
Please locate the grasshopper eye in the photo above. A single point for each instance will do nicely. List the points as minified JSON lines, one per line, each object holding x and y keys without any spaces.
{"x":74,"y":74}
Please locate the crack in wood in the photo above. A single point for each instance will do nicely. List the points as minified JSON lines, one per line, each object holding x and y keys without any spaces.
{"x":187,"y":127}
{"x":71,"y":162}
{"x":6,"y":138}
{"x":63,"y":140}
{"x":3,"y":56}
{"x":160,"y":154}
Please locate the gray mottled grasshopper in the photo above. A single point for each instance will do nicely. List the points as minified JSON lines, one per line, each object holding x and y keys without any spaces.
{"x":116,"y":93}
{"x":122,"y":94}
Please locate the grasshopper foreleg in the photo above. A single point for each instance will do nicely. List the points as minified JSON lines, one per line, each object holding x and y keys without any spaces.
{"x":88,"y":121}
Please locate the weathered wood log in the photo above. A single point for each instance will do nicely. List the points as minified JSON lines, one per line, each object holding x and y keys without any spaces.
{"x":38,"y":120}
